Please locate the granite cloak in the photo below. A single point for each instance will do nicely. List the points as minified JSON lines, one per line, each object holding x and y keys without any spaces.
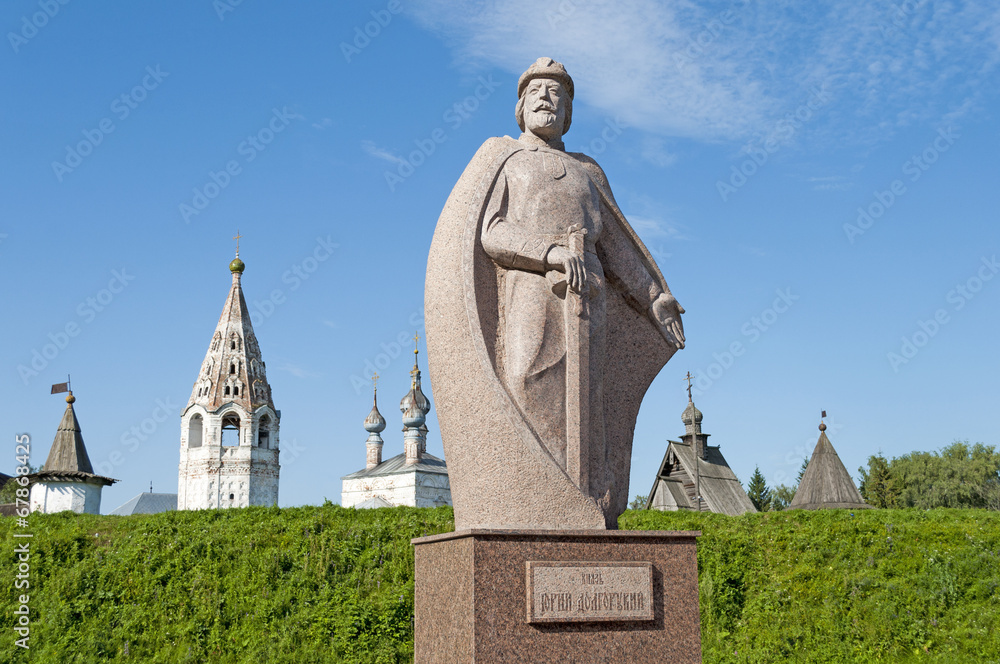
{"x":501,"y":474}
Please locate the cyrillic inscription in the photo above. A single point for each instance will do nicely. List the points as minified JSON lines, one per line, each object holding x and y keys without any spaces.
{"x":574,"y":591}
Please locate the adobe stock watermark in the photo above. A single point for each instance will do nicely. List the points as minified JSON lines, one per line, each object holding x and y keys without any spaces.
{"x":753,"y":329}
{"x":87,"y":312}
{"x":38,"y":20}
{"x":295,"y":276}
{"x":610,"y":133}
{"x":223,"y":7}
{"x":898,"y":16}
{"x":122,"y":106}
{"x":390,"y":352}
{"x":454,"y":116}
{"x":290,"y":452}
{"x":760,"y":149}
{"x":164,"y":410}
{"x":22,"y":550}
{"x":248,"y":148}
{"x":363,"y":35}
{"x":711,"y":31}
{"x":958,"y":297}
{"x":913,"y":168}
{"x":563,"y":11}
{"x":793,"y":458}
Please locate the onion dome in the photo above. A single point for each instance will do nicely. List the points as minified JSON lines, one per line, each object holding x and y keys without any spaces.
{"x":237,"y":265}
{"x":413,"y":417}
{"x":415,"y":395}
{"x":691,"y":415}
{"x":375,"y":423}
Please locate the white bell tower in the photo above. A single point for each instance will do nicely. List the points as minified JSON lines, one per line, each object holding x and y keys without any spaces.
{"x":229,"y":429}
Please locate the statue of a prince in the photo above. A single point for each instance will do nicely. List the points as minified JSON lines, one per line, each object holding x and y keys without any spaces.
{"x":547,"y":319}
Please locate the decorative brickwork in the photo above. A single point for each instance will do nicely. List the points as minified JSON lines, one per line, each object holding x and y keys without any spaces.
{"x":229,"y":428}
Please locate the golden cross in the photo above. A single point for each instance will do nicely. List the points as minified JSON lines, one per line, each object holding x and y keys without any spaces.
{"x":375,"y":381}
{"x":237,"y":238}
{"x":416,"y":342}
{"x":688,"y":378}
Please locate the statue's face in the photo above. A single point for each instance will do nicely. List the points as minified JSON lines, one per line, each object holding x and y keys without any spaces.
{"x":544,"y":108}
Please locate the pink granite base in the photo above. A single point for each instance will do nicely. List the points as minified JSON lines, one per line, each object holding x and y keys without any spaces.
{"x":471,"y":602}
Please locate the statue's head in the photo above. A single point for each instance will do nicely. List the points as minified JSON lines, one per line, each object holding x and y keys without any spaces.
{"x":545,"y":99}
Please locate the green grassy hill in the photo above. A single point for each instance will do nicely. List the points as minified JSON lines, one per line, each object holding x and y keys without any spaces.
{"x":325,"y":584}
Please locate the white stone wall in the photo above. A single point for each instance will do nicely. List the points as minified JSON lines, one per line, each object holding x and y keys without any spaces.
{"x":211,"y":476}
{"x":415,"y":489}
{"x":50,"y":497}
{"x":432,"y":490}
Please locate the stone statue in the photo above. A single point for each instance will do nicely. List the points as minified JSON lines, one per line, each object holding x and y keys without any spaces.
{"x":547,"y":319}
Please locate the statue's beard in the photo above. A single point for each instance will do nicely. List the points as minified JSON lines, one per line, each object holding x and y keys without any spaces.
{"x":544,"y":120}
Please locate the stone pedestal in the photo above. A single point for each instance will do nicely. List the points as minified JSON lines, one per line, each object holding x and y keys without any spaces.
{"x":581,"y":596}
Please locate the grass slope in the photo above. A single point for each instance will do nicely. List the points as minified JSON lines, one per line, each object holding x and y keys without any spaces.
{"x":835,"y":586}
{"x":325,"y":584}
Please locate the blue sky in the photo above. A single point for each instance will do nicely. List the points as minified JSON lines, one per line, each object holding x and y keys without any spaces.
{"x":816,"y":180}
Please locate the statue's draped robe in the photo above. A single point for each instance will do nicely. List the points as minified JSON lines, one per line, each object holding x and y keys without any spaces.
{"x":537,"y":195}
{"x":496,"y":338}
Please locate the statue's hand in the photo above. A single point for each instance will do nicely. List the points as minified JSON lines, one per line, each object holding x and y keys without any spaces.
{"x":666,"y":313}
{"x":569,"y":263}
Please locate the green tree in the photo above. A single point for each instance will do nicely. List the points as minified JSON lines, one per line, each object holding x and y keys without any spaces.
{"x":781,"y":497}
{"x":802,"y":471}
{"x":758,"y":492}
{"x":879,"y":486}
{"x":8,"y":490}
{"x":960,"y":475}
{"x":639,"y":502}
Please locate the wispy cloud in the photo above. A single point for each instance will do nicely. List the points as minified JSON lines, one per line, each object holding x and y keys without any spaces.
{"x":381,"y":153}
{"x":723,"y":70}
{"x":830,"y":183}
{"x":655,"y":229}
{"x":296,"y":370}
{"x":655,"y":152}
{"x":325,"y":123}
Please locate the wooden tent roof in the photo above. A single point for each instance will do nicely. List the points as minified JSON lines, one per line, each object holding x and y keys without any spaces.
{"x":720,"y":488}
{"x":68,"y":460}
{"x":68,"y":453}
{"x":826,"y":483}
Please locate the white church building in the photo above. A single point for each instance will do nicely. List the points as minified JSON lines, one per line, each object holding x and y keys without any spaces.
{"x":414,"y":478}
{"x":229,"y":428}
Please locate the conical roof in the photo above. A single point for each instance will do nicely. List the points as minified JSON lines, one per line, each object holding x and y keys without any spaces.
{"x":826,"y":483}
{"x":233,"y":370}
{"x":68,"y":453}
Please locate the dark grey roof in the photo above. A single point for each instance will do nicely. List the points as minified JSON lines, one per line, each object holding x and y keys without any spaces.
{"x":374,"y":502}
{"x":70,"y":476}
{"x":428,"y":463}
{"x":148,"y":503}
{"x":720,"y":488}
{"x":826,"y":484}
{"x":68,"y":452}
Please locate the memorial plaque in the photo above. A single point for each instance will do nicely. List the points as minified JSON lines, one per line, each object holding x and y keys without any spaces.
{"x":589,"y":591}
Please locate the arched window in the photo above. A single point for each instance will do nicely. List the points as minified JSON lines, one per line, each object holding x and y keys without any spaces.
{"x":232,"y":368}
{"x":227,"y":391}
{"x":230,"y":430}
{"x":232,"y":345}
{"x":236,"y":390}
{"x":264,"y":432}
{"x":194,"y":431}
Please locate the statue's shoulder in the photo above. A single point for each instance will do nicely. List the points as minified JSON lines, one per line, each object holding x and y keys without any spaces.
{"x":591,"y":167}
{"x":497,"y":145}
